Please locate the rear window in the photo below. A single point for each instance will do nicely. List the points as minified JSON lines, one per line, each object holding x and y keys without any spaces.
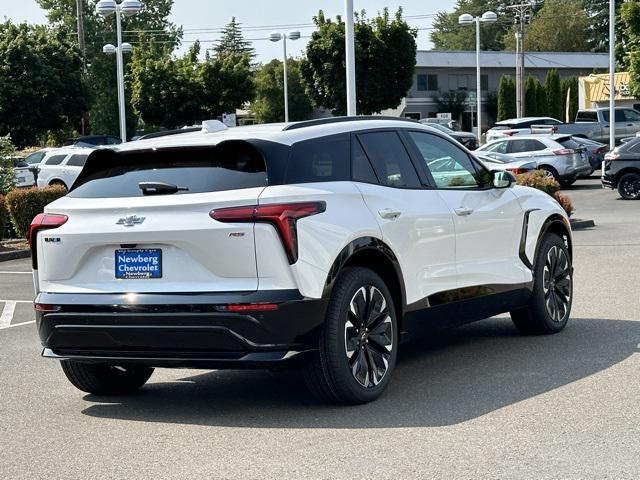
{"x":319,"y":160}
{"x":54,"y":160}
{"x":570,"y":143}
{"x":587,"y":117}
{"x":228,"y":166}
{"x":77,"y":160}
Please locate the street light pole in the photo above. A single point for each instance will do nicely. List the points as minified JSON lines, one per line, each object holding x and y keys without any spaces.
{"x":276,"y":37}
{"x":612,"y":74}
{"x":120,"y":62}
{"x":350,"y":59}
{"x":466,"y":19}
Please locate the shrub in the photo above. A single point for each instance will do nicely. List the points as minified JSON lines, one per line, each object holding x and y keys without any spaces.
{"x":565,"y":202}
{"x":4,"y":217}
{"x":24,"y":204}
{"x":538,"y":180}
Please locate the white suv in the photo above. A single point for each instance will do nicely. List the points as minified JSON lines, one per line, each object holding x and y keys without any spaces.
{"x":61,"y":166}
{"x":326,"y":243}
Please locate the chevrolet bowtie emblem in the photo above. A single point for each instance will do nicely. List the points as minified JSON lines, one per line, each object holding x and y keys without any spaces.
{"x":130,"y":221}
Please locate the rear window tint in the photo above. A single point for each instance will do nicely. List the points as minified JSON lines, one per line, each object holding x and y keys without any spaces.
{"x":55,"y":160}
{"x":319,"y":160}
{"x":587,"y":117}
{"x":229,"y":166}
{"x":77,"y":160}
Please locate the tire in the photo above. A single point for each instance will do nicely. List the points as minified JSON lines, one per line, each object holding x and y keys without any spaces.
{"x":102,"y":379}
{"x":567,"y":183}
{"x":550,"y":172}
{"x":353,"y":366}
{"x":549,"y":307}
{"x":629,"y":186}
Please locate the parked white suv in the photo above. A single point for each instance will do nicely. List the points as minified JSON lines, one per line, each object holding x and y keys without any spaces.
{"x":62,"y":166}
{"x":326,"y":242}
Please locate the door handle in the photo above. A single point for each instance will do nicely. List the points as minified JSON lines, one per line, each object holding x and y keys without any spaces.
{"x":389,"y":214}
{"x":463,"y":211}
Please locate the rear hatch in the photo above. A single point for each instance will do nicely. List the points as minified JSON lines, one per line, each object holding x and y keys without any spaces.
{"x":139,"y":222}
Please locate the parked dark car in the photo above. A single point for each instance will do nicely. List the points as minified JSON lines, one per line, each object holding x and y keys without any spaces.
{"x":92,"y":141}
{"x":621,"y":170}
{"x":467,"y":139}
{"x":595,"y":151}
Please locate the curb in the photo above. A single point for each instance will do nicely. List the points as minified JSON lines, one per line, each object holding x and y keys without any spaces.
{"x":6,"y":256}
{"x":578,"y":224}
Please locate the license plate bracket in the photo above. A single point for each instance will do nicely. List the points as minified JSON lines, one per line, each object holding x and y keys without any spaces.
{"x":138,"y":263}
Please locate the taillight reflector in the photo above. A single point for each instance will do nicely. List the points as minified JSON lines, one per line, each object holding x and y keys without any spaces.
{"x":564,"y":151}
{"x":44,"y":221}
{"x":282,"y":216}
{"x":43,"y":307}
{"x":252,"y":307}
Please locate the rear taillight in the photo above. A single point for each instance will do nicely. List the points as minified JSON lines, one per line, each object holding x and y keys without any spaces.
{"x":612,"y":156}
{"x":45,"y":308}
{"x":564,"y":151}
{"x":517,"y":171}
{"x":282,"y":216}
{"x":42,"y":221}
{"x":252,"y":307}
{"x":601,"y":150}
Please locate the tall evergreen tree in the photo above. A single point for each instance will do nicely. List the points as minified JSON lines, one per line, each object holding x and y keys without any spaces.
{"x":541,"y":101}
{"x":569,"y":89}
{"x":554,"y":94}
{"x":232,"y":41}
{"x":530,"y":96}
{"x":506,"y":98}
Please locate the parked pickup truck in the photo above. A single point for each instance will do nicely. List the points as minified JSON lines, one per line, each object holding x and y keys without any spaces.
{"x":592,"y":124}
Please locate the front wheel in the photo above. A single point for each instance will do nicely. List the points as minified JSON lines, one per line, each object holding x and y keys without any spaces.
{"x":549,"y":307}
{"x":358,"y":345}
{"x":102,"y":379}
{"x":629,"y":186}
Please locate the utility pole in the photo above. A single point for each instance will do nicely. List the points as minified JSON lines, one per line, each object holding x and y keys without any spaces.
{"x":521,"y":18}
{"x":612,"y":74}
{"x":79,"y":9}
{"x":350,"y":58}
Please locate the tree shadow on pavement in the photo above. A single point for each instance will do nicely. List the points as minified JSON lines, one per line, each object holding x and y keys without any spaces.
{"x":458,"y":376}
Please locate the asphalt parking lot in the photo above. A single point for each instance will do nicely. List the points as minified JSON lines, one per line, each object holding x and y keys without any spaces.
{"x":477,"y":402}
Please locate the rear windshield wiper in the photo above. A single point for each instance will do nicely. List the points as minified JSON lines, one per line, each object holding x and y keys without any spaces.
{"x":160,"y":188}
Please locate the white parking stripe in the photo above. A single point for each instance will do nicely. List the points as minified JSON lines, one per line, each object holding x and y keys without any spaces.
{"x":15,"y":273}
{"x":18,"y":324}
{"x":16,"y":301}
{"x":7,"y":314}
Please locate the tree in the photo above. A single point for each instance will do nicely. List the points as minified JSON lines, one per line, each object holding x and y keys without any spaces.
{"x":554,"y":94}
{"x":269,"y":103}
{"x":541,"y":101}
{"x":453,"y":101}
{"x":385,"y":62}
{"x":7,"y":173}
{"x":553,"y":32}
{"x":531,"y":87}
{"x":630,"y":13}
{"x":41,"y":88}
{"x":506,"y":98}
{"x":447,"y":34}
{"x":598,"y":30}
{"x":491,"y":106}
{"x":570,"y":88}
{"x":232,"y":41}
{"x":101,"y":70}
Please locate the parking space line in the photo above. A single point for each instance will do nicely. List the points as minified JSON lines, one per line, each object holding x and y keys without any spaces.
{"x":18,"y":324}
{"x":15,"y":273}
{"x":7,"y":314}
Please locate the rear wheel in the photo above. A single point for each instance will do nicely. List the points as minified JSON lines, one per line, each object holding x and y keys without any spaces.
{"x":549,"y":307}
{"x":550,"y":172}
{"x":105,"y":379}
{"x":358,"y":346}
{"x":629,"y":186}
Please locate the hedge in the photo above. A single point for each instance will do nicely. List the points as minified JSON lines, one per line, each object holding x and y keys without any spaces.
{"x":539,"y":180}
{"x":4,"y":217}
{"x":25,"y":204}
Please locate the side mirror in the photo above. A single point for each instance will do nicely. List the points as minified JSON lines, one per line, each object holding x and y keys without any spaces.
{"x":502,"y":179}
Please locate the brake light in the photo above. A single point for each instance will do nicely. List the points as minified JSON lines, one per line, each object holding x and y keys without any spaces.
{"x":612,"y":156}
{"x":517,"y":170}
{"x":45,"y":308}
{"x":564,"y":151}
{"x":252,"y":307}
{"x":282,"y":216}
{"x":44,"y":221}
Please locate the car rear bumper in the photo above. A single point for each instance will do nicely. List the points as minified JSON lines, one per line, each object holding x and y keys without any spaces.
{"x":608,"y":182}
{"x":181,"y":330}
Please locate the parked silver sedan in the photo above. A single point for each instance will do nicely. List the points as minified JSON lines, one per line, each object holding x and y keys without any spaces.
{"x":500,"y":161}
{"x":558,"y":155}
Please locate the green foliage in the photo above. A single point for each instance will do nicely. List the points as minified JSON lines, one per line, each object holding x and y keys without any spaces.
{"x":506,"y":98}
{"x":269,"y":104}
{"x":491,"y":106}
{"x":7,"y":174}
{"x":559,"y":26}
{"x":538,"y":180}
{"x":570,"y":85}
{"x":41,"y":88}
{"x":25,"y":204}
{"x":598,"y":29}
{"x":385,"y":62}
{"x":554,"y":94}
{"x":232,"y":41}
{"x":4,"y":218}
{"x":630,"y":13}
{"x":531,"y":97}
{"x":447,"y":34}
{"x":541,"y":101}
{"x":101,"y":71}
{"x":453,"y":101}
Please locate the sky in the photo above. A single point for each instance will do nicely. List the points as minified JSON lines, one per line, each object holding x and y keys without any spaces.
{"x":202,"y":18}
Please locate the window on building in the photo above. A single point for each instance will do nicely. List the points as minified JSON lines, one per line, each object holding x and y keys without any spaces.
{"x":484,"y":82}
{"x":422,"y":83}
{"x":432,"y":82}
